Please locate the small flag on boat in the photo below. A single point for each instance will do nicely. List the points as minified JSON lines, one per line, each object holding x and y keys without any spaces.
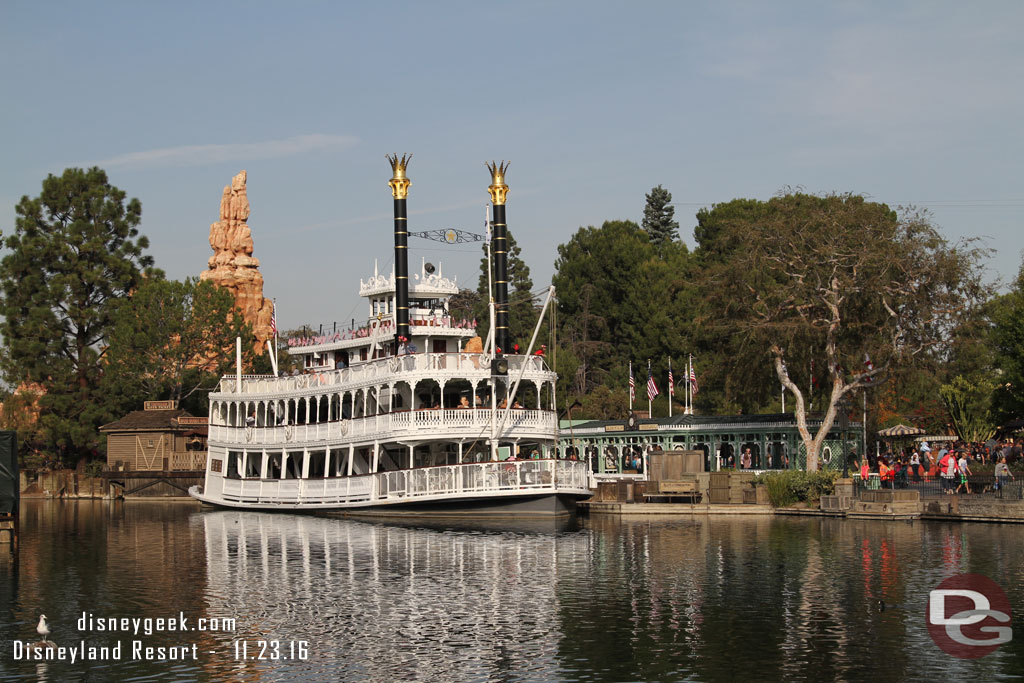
{"x":693,"y":379}
{"x":671,"y":382}
{"x":273,"y":319}
{"x":652,"y":388}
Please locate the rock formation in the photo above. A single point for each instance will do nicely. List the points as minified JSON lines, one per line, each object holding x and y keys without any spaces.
{"x":232,"y":265}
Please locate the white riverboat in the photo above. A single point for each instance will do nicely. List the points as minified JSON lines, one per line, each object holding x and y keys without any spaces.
{"x":395,"y":416}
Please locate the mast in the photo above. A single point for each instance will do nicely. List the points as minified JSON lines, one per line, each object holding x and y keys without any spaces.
{"x":399,"y":185}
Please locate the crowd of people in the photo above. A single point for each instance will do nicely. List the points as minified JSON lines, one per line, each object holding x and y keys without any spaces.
{"x":949,"y":463}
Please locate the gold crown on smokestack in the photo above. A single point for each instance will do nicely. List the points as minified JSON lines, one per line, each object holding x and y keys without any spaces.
{"x":498,"y":189}
{"x":399,"y":183}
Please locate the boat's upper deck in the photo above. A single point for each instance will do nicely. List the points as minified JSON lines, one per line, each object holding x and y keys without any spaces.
{"x":410,"y":367}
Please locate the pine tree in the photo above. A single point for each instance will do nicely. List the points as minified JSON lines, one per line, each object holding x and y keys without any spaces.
{"x":75,"y":251}
{"x":522,"y":312}
{"x":659,"y":217}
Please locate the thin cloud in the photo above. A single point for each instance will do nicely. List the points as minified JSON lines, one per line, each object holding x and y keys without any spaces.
{"x":374,"y":218}
{"x":198,"y":155}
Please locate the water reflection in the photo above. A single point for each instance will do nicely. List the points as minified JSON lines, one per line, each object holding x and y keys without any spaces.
{"x":382,"y":602}
{"x":777,"y":599}
{"x":709,"y":599}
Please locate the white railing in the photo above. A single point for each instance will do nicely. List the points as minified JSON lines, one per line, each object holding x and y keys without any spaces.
{"x":454,"y":422}
{"x":437,"y":364}
{"x":445,"y":481}
{"x":291,"y":491}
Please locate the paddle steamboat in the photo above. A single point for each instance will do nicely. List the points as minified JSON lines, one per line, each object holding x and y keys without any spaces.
{"x":409,"y":414}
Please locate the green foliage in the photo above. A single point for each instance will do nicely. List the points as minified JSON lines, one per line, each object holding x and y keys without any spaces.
{"x":171,"y":339}
{"x":659,"y":217}
{"x":1006,"y":313}
{"x":968,"y":406}
{"x":621,"y":300}
{"x":522,"y":312}
{"x":603,"y":403}
{"x":827,"y":280}
{"x":793,"y":486}
{"x":465,"y":304}
{"x":75,"y":252}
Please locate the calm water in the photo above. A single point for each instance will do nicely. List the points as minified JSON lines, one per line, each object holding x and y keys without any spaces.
{"x":656,"y":600}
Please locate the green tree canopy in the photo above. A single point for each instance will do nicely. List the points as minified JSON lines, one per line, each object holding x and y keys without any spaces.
{"x":659,"y":217}
{"x":1006,"y":313}
{"x":832,"y":280}
{"x":522,"y":311}
{"x":172,"y":339}
{"x":75,"y":251}
{"x":620,"y":299}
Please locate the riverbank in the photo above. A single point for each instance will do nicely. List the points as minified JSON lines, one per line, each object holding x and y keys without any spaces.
{"x":870,"y":505}
{"x":71,"y":484}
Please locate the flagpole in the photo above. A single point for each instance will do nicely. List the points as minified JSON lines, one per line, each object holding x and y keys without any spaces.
{"x":671,"y":386}
{"x":689,"y":385}
{"x":275,"y":336}
{"x":631,"y":385}
{"x":649,"y":412}
{"x":864,"y":421}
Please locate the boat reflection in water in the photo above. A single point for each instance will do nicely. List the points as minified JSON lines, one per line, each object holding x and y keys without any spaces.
{"x":378,"y":602}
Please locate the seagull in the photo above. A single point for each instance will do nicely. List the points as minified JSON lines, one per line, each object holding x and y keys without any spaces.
{"x":42,"y":629}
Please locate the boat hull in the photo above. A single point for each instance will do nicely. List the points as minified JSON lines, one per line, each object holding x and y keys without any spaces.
{"x":527,"y":505}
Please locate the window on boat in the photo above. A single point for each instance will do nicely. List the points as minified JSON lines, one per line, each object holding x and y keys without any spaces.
{"x":231,"y":471}
{"x":531,"y":450}
{"x":293,"y":467}
{"x":273,"y":465}
{"x":253,"y":464}
{"x":335,"y":468}
{"x":317,"y":464}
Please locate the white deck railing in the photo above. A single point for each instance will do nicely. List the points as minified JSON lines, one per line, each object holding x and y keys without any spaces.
{"x":445,"y":481}
{"x":440,"y":365}
{"x":464,"y":422}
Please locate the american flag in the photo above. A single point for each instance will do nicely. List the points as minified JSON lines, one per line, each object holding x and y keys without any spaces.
{"x":868,"y":367}
{"x":632,"y":384}
{"x":671,"y":382}
{"x":273,"y":318}
{"x":693,"y":381}
{"x":652,"y":388}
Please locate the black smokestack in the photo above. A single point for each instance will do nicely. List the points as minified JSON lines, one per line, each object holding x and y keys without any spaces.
{"x":399,"y":185}
{"x":499,"y":252}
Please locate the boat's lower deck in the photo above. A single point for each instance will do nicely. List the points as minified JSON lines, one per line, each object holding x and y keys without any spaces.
{"x":474,"y":485}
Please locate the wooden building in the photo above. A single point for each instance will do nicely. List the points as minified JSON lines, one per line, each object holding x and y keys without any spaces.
{"x":162,"y":437}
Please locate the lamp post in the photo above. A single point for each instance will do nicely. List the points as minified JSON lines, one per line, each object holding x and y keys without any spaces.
{"x":844,"y":423}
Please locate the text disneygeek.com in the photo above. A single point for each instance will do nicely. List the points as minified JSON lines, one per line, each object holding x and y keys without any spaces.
{"x":75,"y":649}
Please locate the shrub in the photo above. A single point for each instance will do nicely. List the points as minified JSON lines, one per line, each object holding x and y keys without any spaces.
{"x":792,"y":486}
{"x":95,"y":468}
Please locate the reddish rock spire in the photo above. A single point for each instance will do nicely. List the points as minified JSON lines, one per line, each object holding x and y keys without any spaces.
{"x":232,"y":265}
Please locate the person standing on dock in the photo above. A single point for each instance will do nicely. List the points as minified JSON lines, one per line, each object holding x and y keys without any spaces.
{"x":964,"y":472}
{"x":1002,"y":473}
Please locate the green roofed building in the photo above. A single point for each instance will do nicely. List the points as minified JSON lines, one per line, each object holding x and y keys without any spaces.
{"x":773,"y":440}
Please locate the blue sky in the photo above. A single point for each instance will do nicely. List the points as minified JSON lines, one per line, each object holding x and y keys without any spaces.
{"x":594,"y":103}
